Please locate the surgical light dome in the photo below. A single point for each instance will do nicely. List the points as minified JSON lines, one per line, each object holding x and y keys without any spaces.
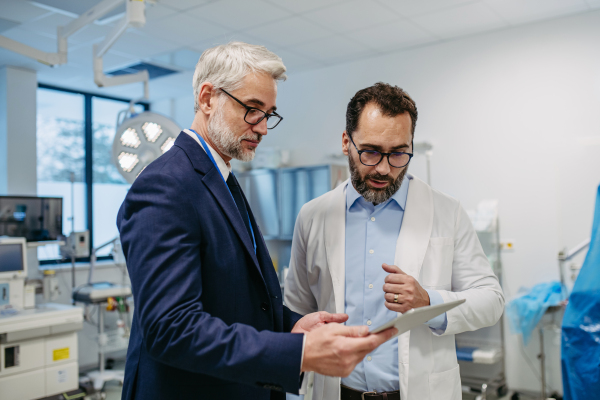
{"x":140,"y":140}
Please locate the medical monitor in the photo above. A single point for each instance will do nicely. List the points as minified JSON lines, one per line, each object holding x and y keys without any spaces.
{"x":13,"y":258}
{"x":34,"y":218}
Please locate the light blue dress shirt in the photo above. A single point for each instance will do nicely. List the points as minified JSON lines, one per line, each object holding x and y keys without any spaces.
{"x":371,"y":236}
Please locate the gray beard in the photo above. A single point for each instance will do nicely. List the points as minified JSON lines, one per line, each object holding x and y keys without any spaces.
{"x":372,"y":195}
{"x":225,"y":140}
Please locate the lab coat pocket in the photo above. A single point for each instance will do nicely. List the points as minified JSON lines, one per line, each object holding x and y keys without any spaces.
{"x":437,"y":265}
{"x":445,"y":385}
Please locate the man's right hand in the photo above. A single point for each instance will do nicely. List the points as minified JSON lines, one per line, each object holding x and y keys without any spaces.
{"x":335,"y":349}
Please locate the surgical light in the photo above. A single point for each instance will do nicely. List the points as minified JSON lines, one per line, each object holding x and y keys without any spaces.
{"x":167,"y":144}
{"x":128,"y":161}
{"x":130,"y":138}
{"x":152,"y":131}
{"x":141,"y":139}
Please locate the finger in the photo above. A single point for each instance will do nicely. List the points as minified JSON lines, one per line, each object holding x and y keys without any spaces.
{"x":350,"y":331}
{"x":394,"y":288}
{"x":390,"y":297}
{"x":374,"y":340}
{"x":339,"y":318}
{"x":392,"y":269}
{"x":397,"y":278}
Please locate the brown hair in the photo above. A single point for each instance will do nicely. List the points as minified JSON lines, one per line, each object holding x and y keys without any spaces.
{"x":391,"y":100}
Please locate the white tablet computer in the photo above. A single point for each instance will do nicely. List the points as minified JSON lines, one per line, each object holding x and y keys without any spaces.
{"x":416,"y":316}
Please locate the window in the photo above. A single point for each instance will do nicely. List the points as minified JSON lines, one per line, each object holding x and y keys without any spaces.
{"x":60,"y":153}
{"x":109,"y":187}
{"x":75,"y":132}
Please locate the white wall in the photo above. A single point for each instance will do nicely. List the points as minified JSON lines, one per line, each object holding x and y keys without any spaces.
{"x":514,"y":115}
{"x":17,"y":131}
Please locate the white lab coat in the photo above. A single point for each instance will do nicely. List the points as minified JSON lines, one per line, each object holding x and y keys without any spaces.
{"x":438,"y":246}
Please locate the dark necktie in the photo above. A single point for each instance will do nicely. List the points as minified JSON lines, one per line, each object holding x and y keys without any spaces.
{"x":236,"y":192}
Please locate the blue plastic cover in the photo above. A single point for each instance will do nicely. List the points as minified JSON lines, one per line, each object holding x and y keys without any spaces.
{"x":526,"y":311}
{"x":580,"y":351}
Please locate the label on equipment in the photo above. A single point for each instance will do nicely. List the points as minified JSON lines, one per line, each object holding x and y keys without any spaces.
{"x":61,"y":375}
{"x":60,"y":354}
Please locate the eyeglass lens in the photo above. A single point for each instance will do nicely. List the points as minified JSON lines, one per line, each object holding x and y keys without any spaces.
{"x":254,"y":116}
{"x":371,"y":158}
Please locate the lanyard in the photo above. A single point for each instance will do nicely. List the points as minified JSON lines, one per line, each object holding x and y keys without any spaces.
{"x":209,"y":154}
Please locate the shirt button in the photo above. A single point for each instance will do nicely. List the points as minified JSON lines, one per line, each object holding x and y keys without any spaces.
{"x":264,"y":306}
{"x":369,"y":358}
{"x":369,"y":322}
{"x":372,"y":218}
{"x":370,"y":286}
{"x":371,"y":251}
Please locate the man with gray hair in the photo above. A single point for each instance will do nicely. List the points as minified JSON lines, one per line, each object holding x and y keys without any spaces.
{"x":209,"y":320}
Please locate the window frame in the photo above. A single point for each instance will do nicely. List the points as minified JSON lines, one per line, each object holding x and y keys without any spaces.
{"x":89,"y":159}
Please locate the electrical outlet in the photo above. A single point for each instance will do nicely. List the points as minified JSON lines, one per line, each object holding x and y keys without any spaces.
{"x":507,"y":244}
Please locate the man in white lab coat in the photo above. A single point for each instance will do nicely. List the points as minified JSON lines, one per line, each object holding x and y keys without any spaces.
{"x":385,"y":242}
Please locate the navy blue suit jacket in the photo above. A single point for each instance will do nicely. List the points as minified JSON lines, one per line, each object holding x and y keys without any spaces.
{"x":209,"y":321}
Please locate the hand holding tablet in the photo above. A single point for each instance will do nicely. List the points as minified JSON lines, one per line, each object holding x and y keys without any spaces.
{"x":415,"y":317}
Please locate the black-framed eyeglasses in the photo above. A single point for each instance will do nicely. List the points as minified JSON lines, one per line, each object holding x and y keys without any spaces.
{"x":254,"y":115}
{"x":371,"y":158}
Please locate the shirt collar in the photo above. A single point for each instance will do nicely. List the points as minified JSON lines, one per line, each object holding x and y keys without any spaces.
{"x":224,"y":168}
{"x":399,"y":197}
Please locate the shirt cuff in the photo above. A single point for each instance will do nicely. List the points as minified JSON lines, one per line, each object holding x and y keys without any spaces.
{"x":439,"y":323}
{"x":304,"y":344}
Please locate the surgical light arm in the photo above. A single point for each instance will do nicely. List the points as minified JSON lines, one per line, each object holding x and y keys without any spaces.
{"x":93,"y":257}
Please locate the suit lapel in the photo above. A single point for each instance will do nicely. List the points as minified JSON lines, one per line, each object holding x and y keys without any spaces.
{"x":215,"y":184}
{"x":335,"y":243}
{"x":218,"y":188}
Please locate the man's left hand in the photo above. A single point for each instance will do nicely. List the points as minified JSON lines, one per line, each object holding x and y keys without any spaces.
{"x":410,"y":293}
{"x":317,"y":319}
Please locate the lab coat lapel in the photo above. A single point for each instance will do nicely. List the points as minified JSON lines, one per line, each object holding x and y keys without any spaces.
{"x":214,"y":182}
{"x":335,"y":242}
{"x":411,"y":247}
{"x":416,"y":228}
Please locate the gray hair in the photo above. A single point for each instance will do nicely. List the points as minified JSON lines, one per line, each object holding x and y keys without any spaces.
{"x":225,"y":66}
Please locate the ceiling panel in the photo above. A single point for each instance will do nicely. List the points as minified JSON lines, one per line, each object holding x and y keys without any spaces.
{"x":593,"y":3}
{"x":182,"y":30}
{"x":156,"y":11}
{"x":181,"y":5}
{"x":333,"y":49}
{"x":296,"y":6}
{"x":47,"y":25}
{"x":20,"y":11}
{"x":91,"y":33}
{"x":239,"y":14}
{"x":461,"y":20}
{"x":138,"y":45}
{"x":352,"y":15}
{"x":296,"y":62}
{"x":8,"y":57}
{"x":520,"y":11}
{"x":289,"y":32}
{"x":391,"y":36}
{"x":182,"y":58}
{"x":33,"y":39}
{"x":6,"y":24}
{"x":410,"y":8}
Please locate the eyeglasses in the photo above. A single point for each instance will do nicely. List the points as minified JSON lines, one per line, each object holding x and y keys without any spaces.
{"x":371,"y":158}
{"x":254,"y":115}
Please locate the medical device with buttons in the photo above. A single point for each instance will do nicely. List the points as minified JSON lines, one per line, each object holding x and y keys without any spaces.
{"x":13,"y":271}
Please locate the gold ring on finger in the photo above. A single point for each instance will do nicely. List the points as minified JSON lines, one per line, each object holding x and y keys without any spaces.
{"x":395,"y":298}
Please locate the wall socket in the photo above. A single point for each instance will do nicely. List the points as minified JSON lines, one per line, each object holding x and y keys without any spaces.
{"x":507,"y":245}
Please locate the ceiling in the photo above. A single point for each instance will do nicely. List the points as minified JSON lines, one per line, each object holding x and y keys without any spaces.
{"x":306,"y":34}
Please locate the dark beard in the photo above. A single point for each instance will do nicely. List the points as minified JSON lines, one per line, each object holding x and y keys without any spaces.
{"x":372,"y":195}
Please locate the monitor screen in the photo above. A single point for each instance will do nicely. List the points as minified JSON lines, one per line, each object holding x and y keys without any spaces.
{"x":11,"y":257}
{"x":34,"y":218}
